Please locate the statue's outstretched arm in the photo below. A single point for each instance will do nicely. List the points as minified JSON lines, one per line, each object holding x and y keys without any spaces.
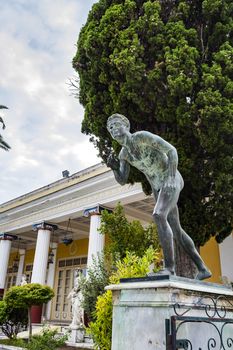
{"x":120,"y":168}
{"x":122,"y":174}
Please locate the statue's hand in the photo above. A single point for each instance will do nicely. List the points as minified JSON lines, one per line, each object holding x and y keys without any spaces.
{"x":112,"y":162}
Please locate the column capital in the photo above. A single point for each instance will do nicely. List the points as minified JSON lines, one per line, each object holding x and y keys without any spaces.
{"x":7,"y":237}
{"x":44,"y":226}
{"x":95,"y":210}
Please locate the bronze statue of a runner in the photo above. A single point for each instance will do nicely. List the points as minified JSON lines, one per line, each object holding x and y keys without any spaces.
{"x":157,"y":160}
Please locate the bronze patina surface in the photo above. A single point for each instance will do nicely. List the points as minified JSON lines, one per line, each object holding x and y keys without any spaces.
{"x":158,"y":160}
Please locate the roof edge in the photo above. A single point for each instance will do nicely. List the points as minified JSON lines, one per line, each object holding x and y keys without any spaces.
{"x":55,"y":186}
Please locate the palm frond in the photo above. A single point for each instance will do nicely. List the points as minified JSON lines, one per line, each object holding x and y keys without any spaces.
{"x":3,"y":144}
{"x":3,"y":124}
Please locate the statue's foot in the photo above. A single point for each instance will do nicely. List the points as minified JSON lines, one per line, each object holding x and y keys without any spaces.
{"x":203,"y":274}
{"x":162,"y":272}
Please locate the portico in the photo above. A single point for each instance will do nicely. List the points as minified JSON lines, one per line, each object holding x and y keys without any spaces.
{"x":39,"y":222}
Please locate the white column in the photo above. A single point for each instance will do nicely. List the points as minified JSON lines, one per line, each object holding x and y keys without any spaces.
{"x":51,"y":277}
{"x":52,"y":267}
{"x":5,"y":248}
{"x":96,"y":240}
{"x":21,"y":264}
{"x":41,"y":254}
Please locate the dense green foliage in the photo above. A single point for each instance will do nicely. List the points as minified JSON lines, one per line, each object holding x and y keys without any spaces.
{"x":168,"y":66}
{"x":133,"y":265}
{"x":3,"y":143}
{"x":130,"y":266}
{"x":93,"y":286}
{"x":125,"y":236}
{"x":14,"y":342}
{"x":24,"y":297}
{"x":28,"y":295}
{"x":48,"y":340}
{"x":12,"y":320}
{"x":101,"y":328}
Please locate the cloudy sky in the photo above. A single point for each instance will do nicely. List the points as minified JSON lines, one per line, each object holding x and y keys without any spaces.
{"x":43,"y":121}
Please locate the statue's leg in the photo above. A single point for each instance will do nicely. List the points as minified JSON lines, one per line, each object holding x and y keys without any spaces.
{"x":187,"y":243}
{"x":166,"y":200}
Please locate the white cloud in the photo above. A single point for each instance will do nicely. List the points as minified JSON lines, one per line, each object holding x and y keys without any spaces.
{"x":43,"y":123}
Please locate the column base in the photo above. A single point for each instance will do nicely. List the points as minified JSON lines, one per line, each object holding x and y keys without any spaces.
{"x":172,"y":313}
{"x":77,"y":335}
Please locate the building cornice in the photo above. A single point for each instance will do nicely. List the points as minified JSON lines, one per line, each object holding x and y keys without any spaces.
{"x":55,"y":187}
{"x":69,"y":202}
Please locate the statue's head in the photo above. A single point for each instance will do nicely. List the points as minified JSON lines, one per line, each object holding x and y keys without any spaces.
{"x":23,"y":280}
{"x":118,"y":126}
{"x":117,"y":118}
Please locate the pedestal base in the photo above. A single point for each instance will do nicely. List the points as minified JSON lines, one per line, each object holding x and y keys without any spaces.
{"x":171,"y":313}
{"x":77,"y":335}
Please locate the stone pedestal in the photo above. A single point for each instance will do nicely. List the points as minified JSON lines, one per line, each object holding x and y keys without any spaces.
{"x":77,"y":335}
{"x":170,"y":313}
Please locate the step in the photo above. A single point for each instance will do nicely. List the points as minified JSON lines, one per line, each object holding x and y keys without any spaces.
{"x":80,"y":346}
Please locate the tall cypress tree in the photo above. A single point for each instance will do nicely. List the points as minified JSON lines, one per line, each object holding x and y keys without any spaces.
{"x":168,"y":66}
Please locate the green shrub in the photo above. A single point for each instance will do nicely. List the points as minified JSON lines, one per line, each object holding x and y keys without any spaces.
{"x":125,"y":236}
{"x":12,"y":320}
{"x":48,"y":340}
{"x":130,"y":266}
{"x":101,"y":329}
{"x":134,"y":266}
{"x":24,"y":297}
{"x":14,"y":342}
{"x":93,"y":286}
{"x":28,"y":295}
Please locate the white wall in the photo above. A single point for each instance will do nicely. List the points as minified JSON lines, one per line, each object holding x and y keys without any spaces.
{"x":226,"y":257}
